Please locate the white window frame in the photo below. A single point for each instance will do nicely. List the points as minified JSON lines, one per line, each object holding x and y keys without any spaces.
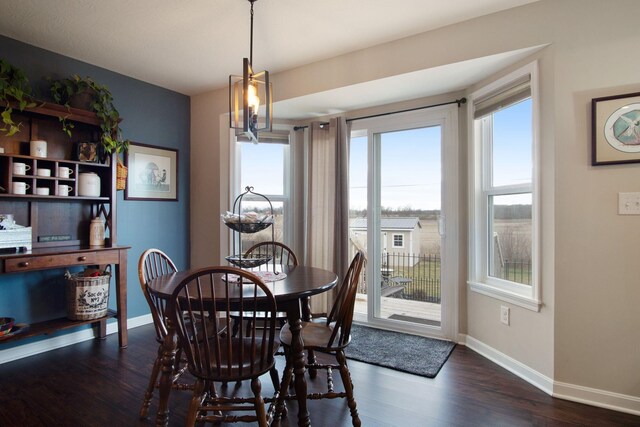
{"x":527,"y":296}
{"x":393,"y":240}
{"x":285,"y":198}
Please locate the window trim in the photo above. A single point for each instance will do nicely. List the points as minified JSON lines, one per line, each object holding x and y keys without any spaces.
{"x":287,"y":198}
{"x":527,"y":296}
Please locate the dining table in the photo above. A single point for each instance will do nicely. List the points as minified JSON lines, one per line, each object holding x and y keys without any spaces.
{"x":299,"y":283}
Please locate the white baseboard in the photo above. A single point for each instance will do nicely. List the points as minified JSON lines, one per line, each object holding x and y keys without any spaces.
{"x":595,"y":397}
{"x":42,"y":346}
{"x":575,"y":393}
{"x":531,"y":376}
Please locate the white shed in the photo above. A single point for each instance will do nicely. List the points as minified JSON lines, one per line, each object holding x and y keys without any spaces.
{"x":399,"y":235}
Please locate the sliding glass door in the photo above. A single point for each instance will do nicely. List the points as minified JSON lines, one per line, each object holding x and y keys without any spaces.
{"x":397,"y":216}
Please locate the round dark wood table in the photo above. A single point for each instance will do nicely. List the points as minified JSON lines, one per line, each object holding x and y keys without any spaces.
{"x":300,"y":283}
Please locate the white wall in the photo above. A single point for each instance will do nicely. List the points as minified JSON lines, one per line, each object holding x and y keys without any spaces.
{"x":584,"y":339}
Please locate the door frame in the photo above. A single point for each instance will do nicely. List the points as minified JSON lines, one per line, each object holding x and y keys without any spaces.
{"x":446,"y":117}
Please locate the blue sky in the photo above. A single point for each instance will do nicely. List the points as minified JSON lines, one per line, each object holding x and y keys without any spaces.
{"x":262,"y":166}
{"x":410,"y":169}
{"x":411,"y":162}
{"x":512,"y":145}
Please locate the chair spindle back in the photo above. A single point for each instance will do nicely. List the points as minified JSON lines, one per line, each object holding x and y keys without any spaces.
{"x":344,"y":304}
{"x":283,"y":255}
{"x":154,"y":263}
{"x":200,"y":308}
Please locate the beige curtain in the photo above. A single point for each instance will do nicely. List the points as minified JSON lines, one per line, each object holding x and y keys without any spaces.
{"x":327,"y":203}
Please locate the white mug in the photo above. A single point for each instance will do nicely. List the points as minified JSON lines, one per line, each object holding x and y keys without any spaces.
{"x":20,"y":187}
{"x":21,"y":168}
{"x":64,"y":172}
{"x":64,"y":190}
{"x":38,"y":148}
{"x":42,"y":191}
{"x":43,"y":172}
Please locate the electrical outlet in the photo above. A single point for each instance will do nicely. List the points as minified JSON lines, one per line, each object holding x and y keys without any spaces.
{"x":629,"y":203}
{"x":504,"y":315}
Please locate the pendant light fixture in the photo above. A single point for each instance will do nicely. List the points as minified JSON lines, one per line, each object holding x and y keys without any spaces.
{"x":250,"y":100}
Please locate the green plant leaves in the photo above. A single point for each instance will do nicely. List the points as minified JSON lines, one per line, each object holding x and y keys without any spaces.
{"x":14,"y":86}
{"x":101,"y":104}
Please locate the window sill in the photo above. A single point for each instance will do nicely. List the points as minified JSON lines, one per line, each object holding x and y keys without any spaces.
{"x":506,"y":296}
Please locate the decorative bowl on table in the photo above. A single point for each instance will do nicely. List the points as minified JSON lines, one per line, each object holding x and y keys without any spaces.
{"x":247,"y":227}
{"x":6,"y":324}
{"x":247,"y":223}
{"x":248,"y":261}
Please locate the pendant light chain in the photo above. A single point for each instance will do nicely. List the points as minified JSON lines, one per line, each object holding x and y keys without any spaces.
{"x":251,"y":36}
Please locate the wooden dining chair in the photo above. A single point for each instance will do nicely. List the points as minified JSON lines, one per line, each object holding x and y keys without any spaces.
{"x":215,"y":357}
{"x":154,"y":263}
{"x":282,"y":256}
{"x":331,"y":336}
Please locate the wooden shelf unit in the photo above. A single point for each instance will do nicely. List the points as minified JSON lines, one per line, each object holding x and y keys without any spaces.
{"x":55,"y":217}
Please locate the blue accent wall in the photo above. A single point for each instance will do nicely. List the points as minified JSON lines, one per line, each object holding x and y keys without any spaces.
{"x":151,"y":115}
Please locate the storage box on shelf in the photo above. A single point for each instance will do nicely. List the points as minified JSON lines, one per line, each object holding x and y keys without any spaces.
{"x":51,"y":207}
{"x":18,"y":238}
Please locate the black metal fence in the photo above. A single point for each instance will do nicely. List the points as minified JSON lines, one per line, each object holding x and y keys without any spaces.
{"x":419,"y":274}
{"x":518,"y":271}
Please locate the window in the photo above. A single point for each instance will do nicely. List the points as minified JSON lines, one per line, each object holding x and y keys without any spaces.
{"x":504,"y":208}
{"x":265,"y":166}
{"x":398,"y":241}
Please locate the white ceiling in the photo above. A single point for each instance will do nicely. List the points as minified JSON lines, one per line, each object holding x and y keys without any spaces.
{"x":419,"y":84}
{"x":191,"y":46}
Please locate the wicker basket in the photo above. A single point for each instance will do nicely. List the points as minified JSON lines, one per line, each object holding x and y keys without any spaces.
{"x":121,"y":176}
{"x":87,"y":297}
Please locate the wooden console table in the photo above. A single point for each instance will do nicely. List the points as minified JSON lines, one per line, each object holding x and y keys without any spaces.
{"x":69,"y":256}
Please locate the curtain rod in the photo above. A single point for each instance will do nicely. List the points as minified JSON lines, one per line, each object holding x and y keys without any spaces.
{"x":457,"y":101}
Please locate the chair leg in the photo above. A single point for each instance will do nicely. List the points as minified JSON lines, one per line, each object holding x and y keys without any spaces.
{"x":261,"y":413}
{"x":311,"y":358}
{"x":275,"y":379}
{"x":179,"y":362}
{"x":348,"y":387}
{"x":281,"y":409}
{"x":199,"y":391}
{"x":148,"y":394}
{"x":213,"y":394}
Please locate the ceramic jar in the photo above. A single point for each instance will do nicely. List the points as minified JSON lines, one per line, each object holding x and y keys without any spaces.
{"x":38,"y":148}
{"x":96,"y":232}
{"x":89,"y":184}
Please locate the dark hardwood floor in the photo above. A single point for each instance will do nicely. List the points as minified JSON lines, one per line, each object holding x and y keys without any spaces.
{"x":96,"y":384}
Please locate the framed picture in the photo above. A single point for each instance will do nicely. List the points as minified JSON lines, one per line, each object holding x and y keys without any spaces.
{"x":152,"y":173}
{"x":615,"y":129}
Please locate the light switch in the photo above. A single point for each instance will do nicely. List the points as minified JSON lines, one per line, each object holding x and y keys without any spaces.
{"x":629,"y":203}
